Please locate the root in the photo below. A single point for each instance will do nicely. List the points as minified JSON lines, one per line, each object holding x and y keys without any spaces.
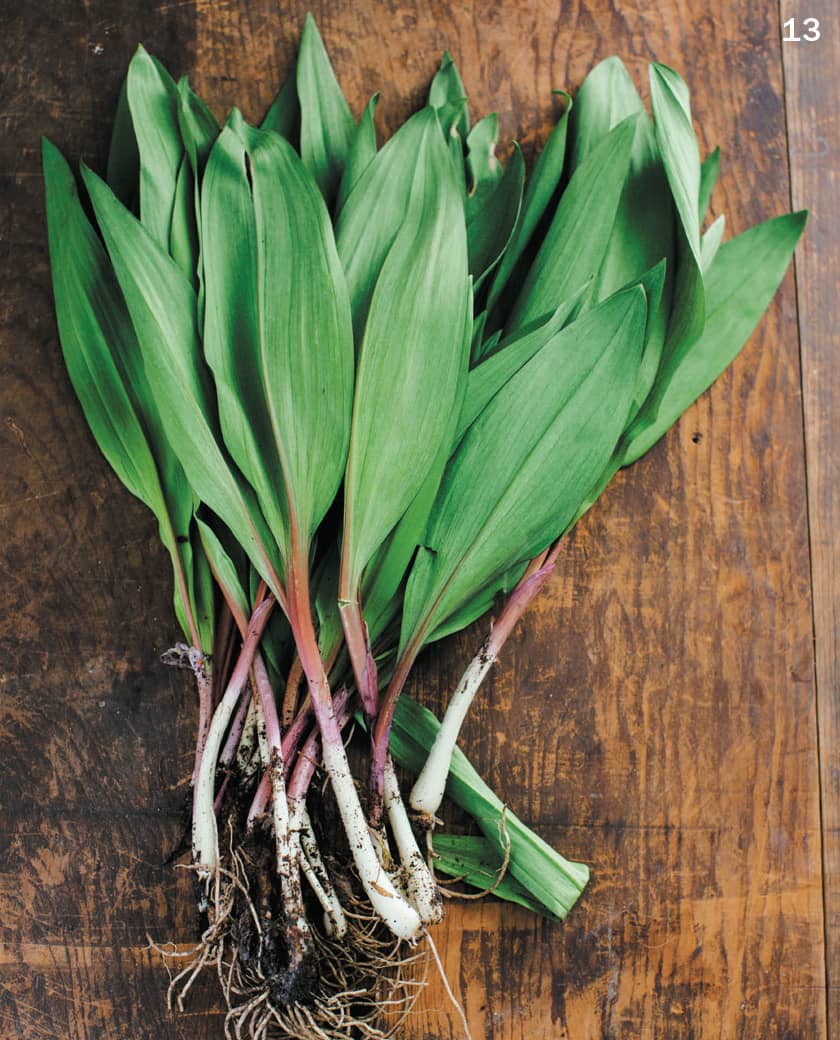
{"x":366,"y":985}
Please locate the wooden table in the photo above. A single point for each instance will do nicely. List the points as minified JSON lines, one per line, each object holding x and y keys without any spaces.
{"x":661,"y":714}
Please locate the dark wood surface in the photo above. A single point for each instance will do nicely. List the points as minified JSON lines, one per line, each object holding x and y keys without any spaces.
{"x":656,"y":715}
{"x":814,"y":148}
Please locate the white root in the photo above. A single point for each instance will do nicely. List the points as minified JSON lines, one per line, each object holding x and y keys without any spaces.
{"x":427,"y":793}
{"x":417,"y":879}
{"x":402,"y":919}
{"x":315,"y":871}
{"x":205,"y":835}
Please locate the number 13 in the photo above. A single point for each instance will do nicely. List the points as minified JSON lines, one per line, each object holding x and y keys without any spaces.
{"x":811,"y":27}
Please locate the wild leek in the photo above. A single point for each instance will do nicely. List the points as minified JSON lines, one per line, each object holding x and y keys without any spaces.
{"x":366,"y":392}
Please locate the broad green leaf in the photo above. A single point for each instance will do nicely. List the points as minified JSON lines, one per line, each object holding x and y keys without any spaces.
{"x":554,"y":881}
{"x":410,"y":361}
{"x":153,"y":102}
{"x":375,"y":210}
{"x":361,"y":154}
{"x":548,"y":438}
{"x":540,"y":188}
{"x":740,"y":284}
{"x":232,"y":334}
{"x":123,"y":174}
{"x":277,"y":328}
{"x":381,"y":598}
{"x":162,"y":305}
{"x":103,"y":360}
{"x":708,"y":178}
{"x":574,"y":246}
{"x":447,"y":89}
{"x":283,"y":117}
{"x":474,"y":861}
{"x":326,"y":125}
{"x":199,"y":130}
{"x":305,"y":346}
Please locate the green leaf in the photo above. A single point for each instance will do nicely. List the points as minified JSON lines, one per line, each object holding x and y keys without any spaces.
{"x":375,"y":211}
{"x":381,"y":590}
{"x":153,"y":101}
{"x":708,"y":178}
{"x":225,"y":572}
{"x":362,"y":152}
{"x":476,"y":862}
{"x":103,"y":359}
{"x":491,"y":218}
{"x":556,"y":882}
{"x":283,"y":117}
{"x":123,"y":174}
{"x":232,"y":332}
{"x":162,"y":306}
{"x":547,"y":443}
{"x":678,"y":147}
{"x":410,"y":361}
{"x":643,"y":232}
{"x":485,"y":170}
{"x":710,"y":242}
{"x":183,"y":232}
{"x":489,"y":376}
{"x":447,"y":89}
{"x":197,"y":124}
{"x":574,"y":246}
{"x":740,"y":284}
{"x":325,"y":600}
{"x":540,"y":188}
{"x":203,"y":590}
{"x":326,"y":126}
{"x":277,"y":330}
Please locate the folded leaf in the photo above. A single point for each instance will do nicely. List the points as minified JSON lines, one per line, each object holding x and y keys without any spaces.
{"x":476,"y":862}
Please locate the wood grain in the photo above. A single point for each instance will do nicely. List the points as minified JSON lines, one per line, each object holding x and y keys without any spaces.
{"x":814,"y":149}
{"x":664,"y":681}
